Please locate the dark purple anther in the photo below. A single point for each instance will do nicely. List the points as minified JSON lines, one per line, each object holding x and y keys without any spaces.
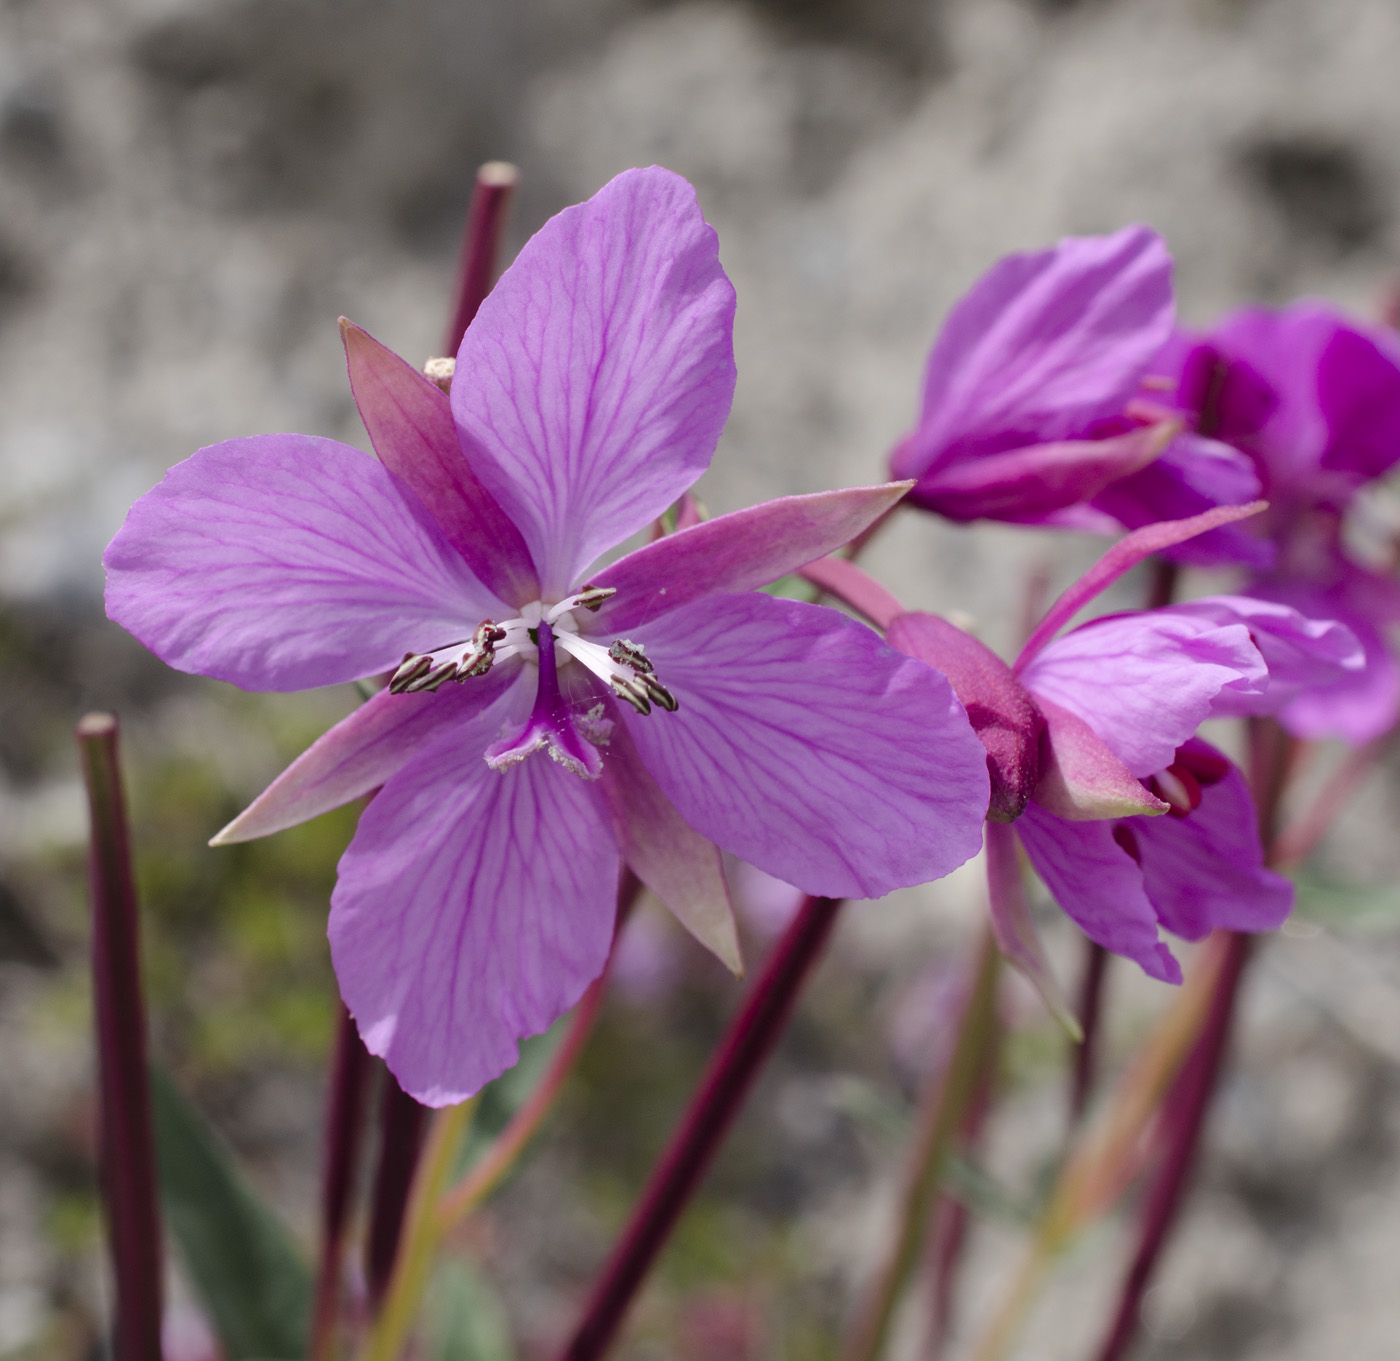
{"x":126,"y":1146}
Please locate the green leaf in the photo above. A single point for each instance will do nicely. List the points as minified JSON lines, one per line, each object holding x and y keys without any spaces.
{"x":239,"y":1257}
{"x":792,"y":587}
{"x":468,"y":1322}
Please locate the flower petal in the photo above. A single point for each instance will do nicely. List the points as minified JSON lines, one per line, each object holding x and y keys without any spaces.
{"x":472,"y":909}
{"x":1027,"y":483}
{"x":1003,"y":715}
{"x":1046,"y":343}
{"x":1081,"y":780}
{"x":592,"y":386}
{"x":1014,"y":928}
{"x":284,"y":562}
{"x":1206,"y":871}
{"x":1121,"y":558}
{"x":673,"y":860}
{"x":811,"y":749}
{"x":364,"y":750}
{"x":1099,"y":885}
{"x":1303,"y":655}
{"x":737,"y":552}
{"x":1145,"y":682}
{"x":409,"y":421}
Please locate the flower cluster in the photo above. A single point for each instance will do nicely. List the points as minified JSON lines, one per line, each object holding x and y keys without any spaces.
{"x":552,"y":711}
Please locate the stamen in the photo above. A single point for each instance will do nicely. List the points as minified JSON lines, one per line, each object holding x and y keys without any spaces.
{"x":589,"y":598}
{"x":428,"y":670}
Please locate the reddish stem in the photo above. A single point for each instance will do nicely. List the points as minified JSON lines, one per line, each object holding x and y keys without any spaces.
{"x":746,"y":1044}
{"x":126,"y":1142}
{"x":1086,"y":1054}
{"x":1187,"y":1107}
{"x":476,"y":270}
{"x":401,"y":1126}
{"x":345,"y":1112}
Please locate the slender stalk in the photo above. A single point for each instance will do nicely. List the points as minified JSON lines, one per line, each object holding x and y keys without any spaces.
{"x":1086,"y":1053}
{"x":1273,"y":755}
{"x":126,"y":1143}
{"x":401,"y":1122}
{"x":345,"y":1111}
{"x":413,"y":1266}
{"x":1186,"y":1114}
{"x":746,"y":1044}
{"x":1109,"y":1153}
{"x":487,"y":1173}
{"x":476,"y":270}
{"x":941,"y":1110}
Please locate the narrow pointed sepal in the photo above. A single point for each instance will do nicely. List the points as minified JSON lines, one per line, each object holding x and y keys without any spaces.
{"x":669,"y":856}
{"x":1081,"y":780}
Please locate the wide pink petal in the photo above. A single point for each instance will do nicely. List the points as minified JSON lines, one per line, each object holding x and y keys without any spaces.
{"x":369,"y":747}
{"x":737,"y":552}
{"x":810,"y":748}
{"x":1145,"y":682}
{"x":1206,"y":871}
{"x":1099,"y":885}
{"x":284,"y":562}
{"x":592,"y":386}
{"x":1046,"y":343}
{"x":472,"y":909}
{"x":409,"y":421}
{"x":669,"y":856}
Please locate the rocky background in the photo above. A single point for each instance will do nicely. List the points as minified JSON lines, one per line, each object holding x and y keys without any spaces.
{"x":191,"y":191}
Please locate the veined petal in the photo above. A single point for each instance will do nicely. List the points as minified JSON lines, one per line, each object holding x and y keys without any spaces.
{"x":1206,"y":870}
{"x":811,"y":749}
{"x":1024,"y":484}
{"x":1081,"y":780}
{"x":1303,"y":655}
{"x":1099,"y":885}
{"x":284,"y":562}
{"x":472,"y":909}
{"x":737,"y":552}
{"x":1046,"y":343}
{"x":1145,"y":682}
{"x":592,"y":386}
{"x":673,"y":860}
{"x":369,"y":747}
{"x":409,"y":421}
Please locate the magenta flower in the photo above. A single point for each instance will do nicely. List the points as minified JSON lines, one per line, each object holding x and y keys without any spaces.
{"x":548,"y":717}
{"x":1091,"y":738}
{"x":1029,"y":404}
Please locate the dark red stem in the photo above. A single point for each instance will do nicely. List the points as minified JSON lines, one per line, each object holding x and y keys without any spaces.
{"x":126,"y":1144}
{"x":1186,"y":1110}
{"x":345,"y":1119}
{"x":746,"y":1044}
{"x":1086,"y":1053}
{"x":476,"y":270}
{"x":401,"y":1125}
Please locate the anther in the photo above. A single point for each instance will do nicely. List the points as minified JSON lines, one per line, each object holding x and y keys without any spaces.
{"x":631,"y":654}
{"x":632,"y":690}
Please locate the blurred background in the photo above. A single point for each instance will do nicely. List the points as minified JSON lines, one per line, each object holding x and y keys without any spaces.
{"x":192,"y":191}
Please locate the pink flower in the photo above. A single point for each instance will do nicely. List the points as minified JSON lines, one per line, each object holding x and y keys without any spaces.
{"x":1091,"y":741}
{"x":683,"y":711}
{"x":1030,"y":410}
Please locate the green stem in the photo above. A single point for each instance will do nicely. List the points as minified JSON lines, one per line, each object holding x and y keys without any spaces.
{"x":941,"y":1111}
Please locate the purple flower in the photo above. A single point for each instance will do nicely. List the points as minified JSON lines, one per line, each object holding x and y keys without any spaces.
{"x":1091,"y":739}
{"x":1030,"y":404}
{"x":683,"y":711}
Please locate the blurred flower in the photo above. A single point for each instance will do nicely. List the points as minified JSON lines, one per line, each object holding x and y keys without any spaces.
{"x":1028,"y":413}
{"x":476,"y":900}
{"x":1091,"y":738}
